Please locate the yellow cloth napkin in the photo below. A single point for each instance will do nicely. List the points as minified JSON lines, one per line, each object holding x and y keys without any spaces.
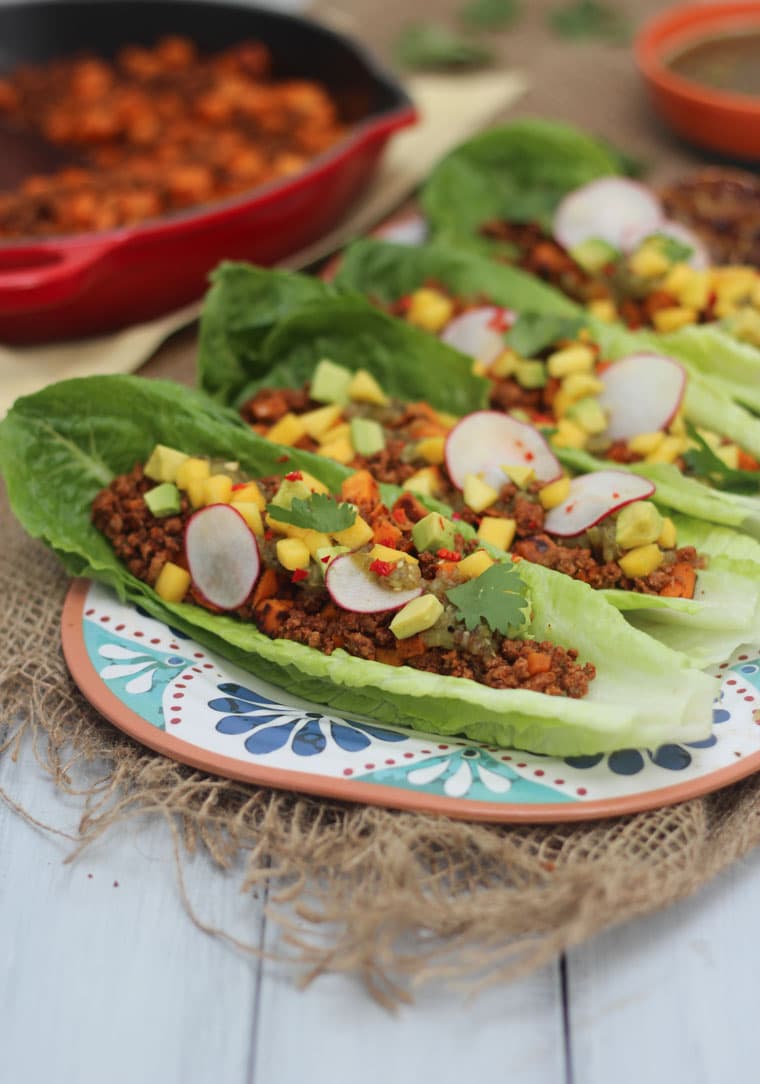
{"x":451,"y":109}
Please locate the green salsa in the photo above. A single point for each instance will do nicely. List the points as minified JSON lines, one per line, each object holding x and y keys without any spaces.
{"x":730,"y":62}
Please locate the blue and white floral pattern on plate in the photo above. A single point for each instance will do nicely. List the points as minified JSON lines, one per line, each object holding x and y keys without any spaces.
{"x":173,"y":683}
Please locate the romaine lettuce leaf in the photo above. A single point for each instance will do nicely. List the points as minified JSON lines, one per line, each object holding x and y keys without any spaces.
{"x":58,"y":448}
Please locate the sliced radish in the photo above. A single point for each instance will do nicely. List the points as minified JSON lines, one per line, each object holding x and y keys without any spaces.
{"x":353,"y":588}
{"x":222,"y":555}
{"x":642,"y":394}
{"x":606,"y":210}
{"x":592,"y":498}
{"x":699,"y":259}
{"x":485,"y":441}
{"x":480,"y":332}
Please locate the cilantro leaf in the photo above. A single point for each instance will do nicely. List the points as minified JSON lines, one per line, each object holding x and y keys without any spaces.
{"x":319,"y":512}
{"x":531,"y":332}
{"x":490,"y":14}
{"x":703,"y":462}
{"x":498,"y":597}
{"x":672,"y":248}
{"x":434,"y":46}
{"x":589,"y":19}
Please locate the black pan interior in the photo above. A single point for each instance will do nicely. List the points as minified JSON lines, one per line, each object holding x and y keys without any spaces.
{"x":36,"y":32}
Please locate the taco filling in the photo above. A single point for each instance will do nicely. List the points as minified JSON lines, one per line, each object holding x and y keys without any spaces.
{"x":397,"y":585}
{"x":495,"y":473}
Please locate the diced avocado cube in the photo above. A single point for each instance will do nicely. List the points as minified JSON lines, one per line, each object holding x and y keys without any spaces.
{"x":589,"y":415}
{"x":367,"y":436}
{"x":593,"y":254}
{"x":163,"y":464}
{"x":163,"y":500}
{"x":531,"y":374}
{"x":289,"y":490}
{"x":419,"y":614}
{"x":638,"y":524}
{"x":330,"y":382}
{"x":325,"y":555}
{"x":434,"y":532}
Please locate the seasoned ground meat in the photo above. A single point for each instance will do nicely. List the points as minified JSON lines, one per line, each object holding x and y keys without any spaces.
{"x":307,"y":615}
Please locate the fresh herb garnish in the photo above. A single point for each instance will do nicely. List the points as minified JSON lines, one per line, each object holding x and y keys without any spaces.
{"x":531,"y":333}
{"x":672,"y":248}
{"x":498,"y":597}
{"x":704,"y":463}
{"x":490,"y":14}
{"x":590,"y":19}
{"x":318,"y":513}
{"x":431,"y":46}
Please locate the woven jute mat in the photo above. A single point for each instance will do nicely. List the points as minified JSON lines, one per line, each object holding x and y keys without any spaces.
{"x":398,"y":898}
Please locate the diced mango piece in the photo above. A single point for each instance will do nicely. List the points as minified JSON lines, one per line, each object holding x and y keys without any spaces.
{"x":474,"y":565}
{"x":672,"y":318}
{"x":358,"y":534}
{"x":505,"y":364}
{"x":196,"y":491}
{"x":649,"y":262}
{"x":217,"y":489}
{"x":641,"y":561}
{"x":292,"y":553}
{"x":317,"y":422}
{"x":668,"y":450}
{"x":711,"y":439}
{"x":668,"y":536}
{"x":448,"y":421}
{"x":341,"y":450}
{"x":521,"y":475}
{"x":497,"y":531}
{"x":172,"y":582}
{"x":429,"y":309}
{"x":733,"y":283}
{"x":163,"y":463}
{"x":287,"y":430}
{"x":569,"y":435}
{"x":695,"y":293}
{"x":637,"y":524}
{"x":729,"y":454}
{"x":581,"y":386}
{"x":554,"y":493}
{"x":431,"y":449}
{"x":251,"y":513}
{"x":678,"y":426}
{"x":419,"y":614}
{"x":747,"y":326}
{"x":426,"y":482}
{"x":249,"y":494}
{"x":678,"y":278}
{"x":365,"y":389}
{"x":755,"y":295}
{"x":192,"y":470}
{"x":646,"y":443}
{"x":478,"y":495}
{"x":387,"y":553}
{"x":723,"y":308}
{"x":315,"y":540}
{"x":603,"y":309}
{"x":572,"y":359}
{"x":338,"y":432}
{"x":479,"y":368}
{"x":314,"y":484}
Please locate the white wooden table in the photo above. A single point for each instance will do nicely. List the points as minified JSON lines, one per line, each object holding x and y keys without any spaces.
{"x":105,"y":980}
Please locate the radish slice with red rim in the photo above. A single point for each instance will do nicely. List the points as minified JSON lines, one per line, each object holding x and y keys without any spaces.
{"x":354,"y":588}
{"x":484,"y":442}
{"x":480,"y":332}
{"x":605,"y":210}
{"x":642,"y":394}
{"x":592,"y":498}
{"x":222,"y":555}
{"x":699,"y":258}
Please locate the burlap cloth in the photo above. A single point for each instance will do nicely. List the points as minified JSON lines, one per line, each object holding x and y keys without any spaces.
{"x":399,"y":898}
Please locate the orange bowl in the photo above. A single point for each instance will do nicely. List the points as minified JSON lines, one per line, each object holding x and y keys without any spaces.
{"x":718,"y":120}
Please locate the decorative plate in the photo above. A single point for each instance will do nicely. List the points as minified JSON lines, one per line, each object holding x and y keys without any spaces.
{"x":171,"y":694}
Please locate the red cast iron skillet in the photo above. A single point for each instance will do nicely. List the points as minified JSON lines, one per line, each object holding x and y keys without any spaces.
{"x":86,"y":284}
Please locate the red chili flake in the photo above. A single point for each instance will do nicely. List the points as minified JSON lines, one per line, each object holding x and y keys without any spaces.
{"x":404,"y":302}
{"x":570,"y":508}
{"x":456,"y":515}
{"x":298,"y":575}
{"x":529,"y":457}
{"x":500,"y":321}
{"x":325,"y":559}
{"x":268,"y":535}
{"x":449,"y":555}
{"x":615,"y":496}
{"x":399,"y":515}
{"x":240,"y":485}
{"x":294,"y":476}
{"x":382,"y":568}
{"x":283,"y":459}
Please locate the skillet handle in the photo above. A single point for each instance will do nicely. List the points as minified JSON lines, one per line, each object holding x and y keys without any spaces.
{"x":37,"y":276}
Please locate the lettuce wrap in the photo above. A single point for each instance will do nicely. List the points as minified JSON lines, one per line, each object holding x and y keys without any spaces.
{"x":388,"y":272}
{"x":725,"y":605}
{"x":60,"y":447}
